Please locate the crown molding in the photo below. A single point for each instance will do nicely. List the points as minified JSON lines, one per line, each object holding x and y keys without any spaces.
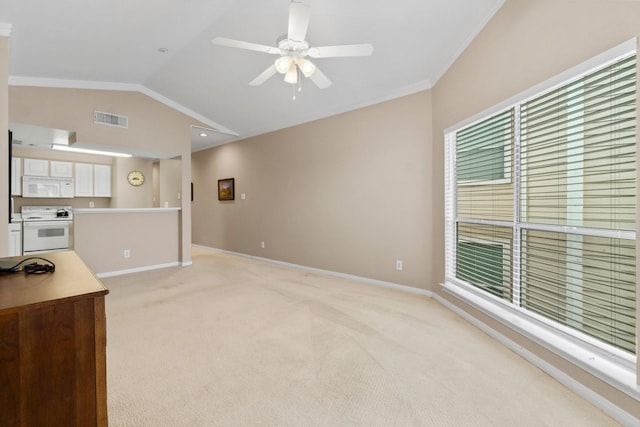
{"x":71,"y":84}
{"x":127,"y":87}
{"x":171,"y":103}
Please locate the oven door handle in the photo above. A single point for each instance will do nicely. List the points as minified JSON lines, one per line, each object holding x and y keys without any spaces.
{"x":47,"y":224}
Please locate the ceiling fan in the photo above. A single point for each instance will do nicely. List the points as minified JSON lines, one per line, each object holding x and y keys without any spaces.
{"x":293,"y":51}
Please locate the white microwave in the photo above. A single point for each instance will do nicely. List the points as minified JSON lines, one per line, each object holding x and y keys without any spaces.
{"x":37,"y":186}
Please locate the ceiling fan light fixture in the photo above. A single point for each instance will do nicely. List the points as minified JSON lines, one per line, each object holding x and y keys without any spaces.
{"x":283,"y":64}
{"x":291,"y":75}
{"x":306,"y":67}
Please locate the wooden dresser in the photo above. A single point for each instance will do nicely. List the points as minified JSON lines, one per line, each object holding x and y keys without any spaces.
{"x":53,"y":346}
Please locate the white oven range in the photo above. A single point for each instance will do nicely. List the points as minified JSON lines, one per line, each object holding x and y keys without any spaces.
{"x":45,"y":228}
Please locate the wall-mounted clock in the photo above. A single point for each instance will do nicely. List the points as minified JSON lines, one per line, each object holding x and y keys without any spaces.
{"x":135,"y":178}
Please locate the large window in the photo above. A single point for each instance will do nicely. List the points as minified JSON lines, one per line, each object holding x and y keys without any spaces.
{"x":541,"y":205}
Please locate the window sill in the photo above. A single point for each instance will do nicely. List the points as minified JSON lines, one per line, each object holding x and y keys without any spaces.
{"x":615,"y":370}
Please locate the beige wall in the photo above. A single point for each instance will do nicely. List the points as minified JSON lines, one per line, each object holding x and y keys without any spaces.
{"x":4,"y":145}
{"x":348,"y":193}
{"x":133,"y":231}
{"x":170,"y":194}
{"x":128,"y":196}
{"x":153,"y":127}
{"x":526,"y":43}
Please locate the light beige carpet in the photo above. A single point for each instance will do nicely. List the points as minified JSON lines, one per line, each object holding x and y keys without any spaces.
{"x":231,"y":341}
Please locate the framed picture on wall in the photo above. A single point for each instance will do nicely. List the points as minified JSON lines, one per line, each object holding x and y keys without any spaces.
{"x":226,"y":189}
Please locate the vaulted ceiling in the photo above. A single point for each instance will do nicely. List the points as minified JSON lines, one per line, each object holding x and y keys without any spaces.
{"x":165,"y":49}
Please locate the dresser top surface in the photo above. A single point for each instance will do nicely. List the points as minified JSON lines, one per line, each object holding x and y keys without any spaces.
{"x":72,"y":279}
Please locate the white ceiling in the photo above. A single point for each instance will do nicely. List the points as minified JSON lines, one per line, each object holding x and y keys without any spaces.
{"x":115,"y":44}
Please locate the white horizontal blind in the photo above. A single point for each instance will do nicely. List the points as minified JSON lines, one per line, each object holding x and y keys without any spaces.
{"x":579,"y":141}
{"x":572,"y":214}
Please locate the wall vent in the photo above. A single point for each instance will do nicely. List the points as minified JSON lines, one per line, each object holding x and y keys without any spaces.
{"x":109,"y":119}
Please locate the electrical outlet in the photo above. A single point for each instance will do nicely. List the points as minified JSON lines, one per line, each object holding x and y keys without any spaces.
{"x":91,"y":204}
{"x":399,"y":265}
{"x":262,"y":245}
{"x":127,"y":253}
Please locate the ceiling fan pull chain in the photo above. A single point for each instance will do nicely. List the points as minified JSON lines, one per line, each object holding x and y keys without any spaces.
{"x":298,"y":78}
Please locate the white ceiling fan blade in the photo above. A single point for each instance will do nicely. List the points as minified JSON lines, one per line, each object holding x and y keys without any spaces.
{"x":320,"y":79}
{"x":299,"y":16}
{"x":264,"y":76}
{"x":222,"y":41}
{"x":344,"y":50}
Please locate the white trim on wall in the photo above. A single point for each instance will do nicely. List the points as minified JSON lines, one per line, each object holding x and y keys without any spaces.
{"x":127,"y":87}
{"x":408,"y":289}
{"x":137,"y":270}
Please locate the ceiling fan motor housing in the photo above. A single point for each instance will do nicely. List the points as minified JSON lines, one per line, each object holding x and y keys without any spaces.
{"x":292,"y":58}
{"x":293,"y":47}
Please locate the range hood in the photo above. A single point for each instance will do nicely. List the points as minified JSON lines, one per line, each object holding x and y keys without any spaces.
{"x":32,"y":136}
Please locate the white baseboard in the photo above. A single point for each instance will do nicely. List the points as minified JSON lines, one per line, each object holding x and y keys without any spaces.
{"x":136,"y":270}
{"x":374,"y":282}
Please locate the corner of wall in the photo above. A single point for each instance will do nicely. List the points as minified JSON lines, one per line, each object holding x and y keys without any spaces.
{"x":4,"y":143}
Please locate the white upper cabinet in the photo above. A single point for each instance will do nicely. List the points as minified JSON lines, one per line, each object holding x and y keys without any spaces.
{"x":102,"y":180}
{"x":36,"y":167}
{"x":84,"y":180}
{"x":61,"y":169}
{"x":93,"y":180}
